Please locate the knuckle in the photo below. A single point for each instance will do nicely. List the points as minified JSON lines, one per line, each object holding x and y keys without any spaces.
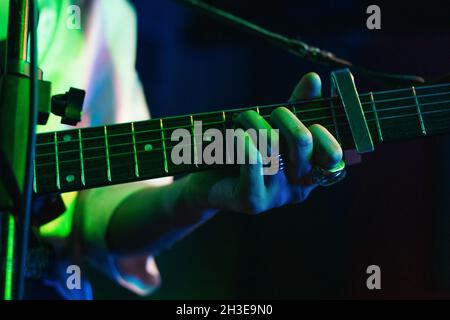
{"x":279,"y":112}
{"x":249,"y":114}
{"x":315,"y":127}
{"x":302,"y":138}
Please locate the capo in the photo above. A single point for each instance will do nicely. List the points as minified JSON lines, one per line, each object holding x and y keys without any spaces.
{"x":343,"y":82}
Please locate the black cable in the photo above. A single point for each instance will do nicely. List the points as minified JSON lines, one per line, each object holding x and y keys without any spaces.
{"x":302,"y":49}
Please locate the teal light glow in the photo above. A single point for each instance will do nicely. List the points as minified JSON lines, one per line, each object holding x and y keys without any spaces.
{"x":9,"y":260}
{"x":4,"y":7}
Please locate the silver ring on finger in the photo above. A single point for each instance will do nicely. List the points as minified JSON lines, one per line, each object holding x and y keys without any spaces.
{"x":328,"y":177}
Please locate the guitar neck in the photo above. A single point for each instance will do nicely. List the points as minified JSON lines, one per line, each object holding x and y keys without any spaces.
{"x":101,"y":156}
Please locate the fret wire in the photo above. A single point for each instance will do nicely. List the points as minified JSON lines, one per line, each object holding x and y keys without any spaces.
{"x":80,"y":143}
{"x":34,"y":176}
{"x":419,"y":112}
{"x":377,"y":120}
{"x":166,"y":165}
{"x":135,"y":151}
{"x":304,"y":111}
{"x":195,"y":141}
{"x":58,"y":182}
{"x":224,"y":126}
{"x":108,"y":164}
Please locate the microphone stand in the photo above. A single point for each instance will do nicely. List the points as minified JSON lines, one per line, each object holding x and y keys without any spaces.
{"x":19,"y":94}
{"x":300,"y":48}
{"x":25,"y":102}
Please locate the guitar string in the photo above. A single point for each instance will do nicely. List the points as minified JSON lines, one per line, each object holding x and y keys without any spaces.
{"x":185,"y":145}
{"x":221,"y":123}
{"x":158,"y":130}
{"x":201,"y":135}
{"x":327,"y":107}
{"x":297,"y":113}
{"x":438,"y":85}
{"x":151,"y":140}
{"x":62,"y":162}
{"x":152,"y":161}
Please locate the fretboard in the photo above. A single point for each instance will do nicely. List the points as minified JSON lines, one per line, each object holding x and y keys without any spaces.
{"x":100,"y":156}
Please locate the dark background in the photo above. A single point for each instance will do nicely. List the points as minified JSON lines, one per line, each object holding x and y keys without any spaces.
{"x":392,"y":210}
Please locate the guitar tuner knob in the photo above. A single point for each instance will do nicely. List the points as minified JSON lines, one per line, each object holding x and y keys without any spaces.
{"x":69,"y":106}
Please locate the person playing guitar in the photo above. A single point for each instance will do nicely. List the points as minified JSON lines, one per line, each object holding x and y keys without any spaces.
{"x":122,"y":228}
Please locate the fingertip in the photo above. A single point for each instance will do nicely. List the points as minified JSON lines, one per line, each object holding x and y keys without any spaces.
{"x":309,"y":87}
{"x":312,"y":82}
{"x":328,"y":152}
{"x":314,"y":79}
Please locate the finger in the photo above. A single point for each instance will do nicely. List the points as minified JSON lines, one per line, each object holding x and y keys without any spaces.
{"x":327,"y":151}
{"x":250,"y":189}
{"x":309,"y":87}
{"x":252,"y":120}
{"x":264,"y":137}
{"x":299,"y":141}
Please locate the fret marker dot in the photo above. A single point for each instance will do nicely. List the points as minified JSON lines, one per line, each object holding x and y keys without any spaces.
{"x":148,"y":147}
{"x":67,"y":138}
{"x":70,"y":178}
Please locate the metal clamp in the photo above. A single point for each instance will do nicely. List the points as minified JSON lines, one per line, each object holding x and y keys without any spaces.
{"x":343,"y":82}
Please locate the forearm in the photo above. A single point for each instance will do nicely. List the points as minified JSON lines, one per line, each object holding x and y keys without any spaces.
{"x":154,"y":218}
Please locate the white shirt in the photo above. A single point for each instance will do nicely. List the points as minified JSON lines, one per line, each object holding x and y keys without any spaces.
{"x":100,"y":58}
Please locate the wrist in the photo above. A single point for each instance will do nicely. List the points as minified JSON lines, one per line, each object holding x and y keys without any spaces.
{"x":195,"y":195}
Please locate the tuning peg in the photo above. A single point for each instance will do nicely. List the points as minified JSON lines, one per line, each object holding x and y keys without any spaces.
{"x":69,"y":106}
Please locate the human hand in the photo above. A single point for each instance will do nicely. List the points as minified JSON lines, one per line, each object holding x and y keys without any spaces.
{"x":252,"y":192}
